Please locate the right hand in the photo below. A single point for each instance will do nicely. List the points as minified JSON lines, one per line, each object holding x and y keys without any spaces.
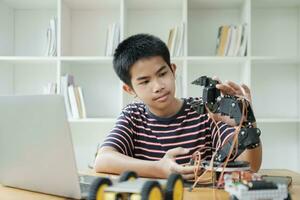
{"x":167,"y":165}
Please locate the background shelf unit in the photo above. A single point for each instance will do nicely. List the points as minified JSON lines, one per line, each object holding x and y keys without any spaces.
{"x":270,"y":69}
{"x":23,"y":26}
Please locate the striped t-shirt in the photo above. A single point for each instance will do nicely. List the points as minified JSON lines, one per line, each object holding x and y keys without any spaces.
{"x":140,"y":134}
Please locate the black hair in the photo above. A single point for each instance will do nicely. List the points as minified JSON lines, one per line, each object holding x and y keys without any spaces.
{"x":137,"y":47}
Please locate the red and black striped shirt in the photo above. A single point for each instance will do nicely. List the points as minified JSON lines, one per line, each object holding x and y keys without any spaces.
{"x":140,"y":134}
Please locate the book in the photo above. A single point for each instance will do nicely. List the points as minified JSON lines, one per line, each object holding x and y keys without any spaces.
{"x":49,"y":38}
{"x":218,"y":39}
{"x":232,"y":42}
{"x":228,"y":40}
{"x":51,"y":41}
{"x":65,"y":82}
{"x":170,"y":40}
{"x":73,"y":102}
{"x":223,"y":40}
{"x":173,"y":42}
{"x":179,"y":50}
{"x":78,"y":103}
{"x":82,"y":103}
{"x":116,"y":39}
{"x":176,"y":40}
{"x":244,"y":41}
{"x":182,"y":40}
{"x":239,"y":32}
{"x":112,"y":38}
{"x":51,"y":88}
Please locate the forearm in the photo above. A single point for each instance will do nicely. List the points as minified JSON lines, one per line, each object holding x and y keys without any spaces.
{"x":253,"y":156}
{"x":108,"y":161}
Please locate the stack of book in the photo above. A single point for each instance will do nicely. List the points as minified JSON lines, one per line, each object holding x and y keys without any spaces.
{"x":176,"y":40}
{"x":73,"y":95}
{"x":51,"y":46}
{"x":232,"y":40}
{"x":112,"y":38}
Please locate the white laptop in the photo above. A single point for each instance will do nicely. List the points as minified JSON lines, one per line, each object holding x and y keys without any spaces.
{"x":36,"y":151}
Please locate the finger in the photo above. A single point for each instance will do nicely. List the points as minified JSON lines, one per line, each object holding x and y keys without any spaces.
{"x":188,"y":176}
{"x":225,"y":89}
{"x":184,"y":169}
{"x":176,"y":151}
{"x":236,"y":87}
{"x":217,"y":79}
{"x":246,"y":88}
{"x":247,"y":92}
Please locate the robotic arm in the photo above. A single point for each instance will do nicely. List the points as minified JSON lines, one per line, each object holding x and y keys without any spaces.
{"x":248,"y":137}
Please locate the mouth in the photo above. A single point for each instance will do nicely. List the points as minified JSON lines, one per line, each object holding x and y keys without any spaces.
{"x":162,"y":97}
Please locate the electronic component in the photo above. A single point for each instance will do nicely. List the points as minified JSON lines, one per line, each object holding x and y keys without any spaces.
{"x":130,"y":186}
{"x":255,"y":189}
{"x":231,"y":106}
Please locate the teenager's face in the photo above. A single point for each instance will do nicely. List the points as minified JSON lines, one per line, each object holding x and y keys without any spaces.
{"x":154,"y":83}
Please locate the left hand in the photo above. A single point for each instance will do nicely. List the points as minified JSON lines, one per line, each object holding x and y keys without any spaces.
{"x":233,"y":89}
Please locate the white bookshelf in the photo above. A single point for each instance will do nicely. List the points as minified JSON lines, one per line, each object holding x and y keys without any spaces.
{"x":271,"y":67}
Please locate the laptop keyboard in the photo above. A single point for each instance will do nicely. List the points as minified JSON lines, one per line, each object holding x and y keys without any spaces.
{"x":85,"y":182}
{"x":84,"y":187}
{"x":87,"y":179}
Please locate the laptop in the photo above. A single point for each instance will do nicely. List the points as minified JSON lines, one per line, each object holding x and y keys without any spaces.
{"x":36,"y":151}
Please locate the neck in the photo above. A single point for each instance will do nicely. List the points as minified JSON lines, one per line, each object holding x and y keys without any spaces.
{"x":172,"y":109}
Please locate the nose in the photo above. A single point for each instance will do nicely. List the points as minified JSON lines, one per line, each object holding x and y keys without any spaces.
{"x":158,"y":86}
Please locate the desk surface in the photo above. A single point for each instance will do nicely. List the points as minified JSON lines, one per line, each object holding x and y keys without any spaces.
{"x":205,"y":193}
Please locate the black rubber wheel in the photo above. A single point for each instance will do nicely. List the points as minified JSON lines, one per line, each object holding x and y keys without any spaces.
{"x":151,"y":190}
{"x":288,"y":197}
{"x":127,"y":175}
{"x":233,"y":197}
{"x":98,"y":185}
{"x":119,"y":197}
{"x":174,"y":187}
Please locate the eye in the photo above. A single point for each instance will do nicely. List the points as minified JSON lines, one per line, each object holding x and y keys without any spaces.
{"x":144,"y":82}
{"x":163,"y":73}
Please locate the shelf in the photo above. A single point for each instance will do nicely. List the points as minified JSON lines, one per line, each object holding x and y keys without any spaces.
{"x":277,"y":120}
{"x":100,"y":85}
{"x":30,"y":4}
{"x":216,"y":60}
{"x":275,"y":90}
{"x":26,"y":76}
{"x":93,"y":120}
{"x":84,"y":26}
{"x":27,"y":60}
{"x":23,"y":26}
{"x":204,"y":19}
{"x":275,"y":60}
{"x":142,"y":19}
{"x":153,"y":5}
{"x":275,"y":3}
{"x":275,"y":29}
{"x":208,"y":4}
{"x":87,"y":59}
{"x":92,"y":4}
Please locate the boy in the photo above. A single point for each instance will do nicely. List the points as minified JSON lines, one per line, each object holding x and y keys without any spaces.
{"x":158,"y":137}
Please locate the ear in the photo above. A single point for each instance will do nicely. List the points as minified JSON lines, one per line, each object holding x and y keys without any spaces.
{"x":173,"y":67}
{"x":128,"y":89}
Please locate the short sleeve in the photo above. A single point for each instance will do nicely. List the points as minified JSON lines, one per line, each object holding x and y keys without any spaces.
{"x":121,"y":136}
